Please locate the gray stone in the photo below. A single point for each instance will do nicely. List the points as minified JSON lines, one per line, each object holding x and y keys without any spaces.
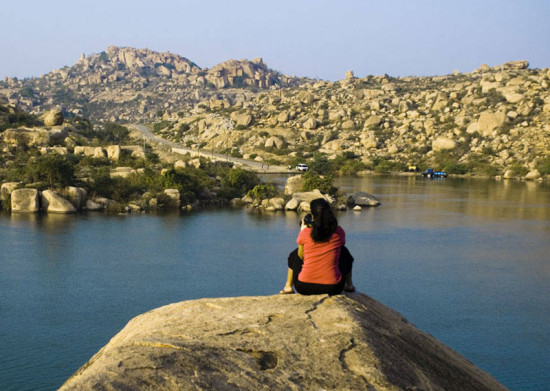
{"x":25,"y":200}
{"x":363,"y":198}
{"x":94,"y":206}
{"x":280,"y":342}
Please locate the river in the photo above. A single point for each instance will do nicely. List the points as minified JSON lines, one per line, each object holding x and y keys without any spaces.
{"x":464,"y":260}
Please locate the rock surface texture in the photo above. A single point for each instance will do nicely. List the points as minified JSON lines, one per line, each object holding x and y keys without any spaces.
{"x":283,"y":342}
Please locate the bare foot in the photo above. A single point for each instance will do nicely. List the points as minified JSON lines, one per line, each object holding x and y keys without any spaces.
{"x":286,"y":291}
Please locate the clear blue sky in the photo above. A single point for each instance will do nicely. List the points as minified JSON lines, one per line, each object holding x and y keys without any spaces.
{"x":315,"y":38}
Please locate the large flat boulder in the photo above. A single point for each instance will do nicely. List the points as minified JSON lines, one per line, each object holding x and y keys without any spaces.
{"x":281,"y":342}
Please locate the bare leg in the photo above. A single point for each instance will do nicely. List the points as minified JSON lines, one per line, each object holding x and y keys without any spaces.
{"x":288,"y":285}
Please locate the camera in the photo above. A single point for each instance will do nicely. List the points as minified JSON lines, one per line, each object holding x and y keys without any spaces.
{"x":308,"y":219}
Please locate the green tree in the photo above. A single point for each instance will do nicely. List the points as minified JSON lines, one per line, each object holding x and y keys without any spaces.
{"x":54,"y":170}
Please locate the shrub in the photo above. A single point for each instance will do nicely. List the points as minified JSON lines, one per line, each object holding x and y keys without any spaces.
{"x":314,"y":181}
{"x":456,"y":168}
{"x":54,"y":170}
{"x":544,"y":166}
{"x":386,"y":165}
{"x":263,"y":191}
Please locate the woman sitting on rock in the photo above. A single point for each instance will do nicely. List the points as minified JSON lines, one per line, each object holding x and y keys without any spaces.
{"x":321,"y":264}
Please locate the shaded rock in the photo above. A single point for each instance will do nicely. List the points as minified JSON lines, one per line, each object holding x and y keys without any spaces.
{"x":76,"y":196}
{"x":362,"y":198}
{"x":274,"y":142}
{"x":7,"y":188}
{"x":94,"y":206}
{"x":53,"y":117}
{"x":174,"y":196}
{"x":54,"y":203}
{"x":277,"y":342}
{"x":25,"y":200}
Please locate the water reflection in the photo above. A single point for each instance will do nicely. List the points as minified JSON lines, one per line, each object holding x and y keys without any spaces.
{"x":487,"y":199}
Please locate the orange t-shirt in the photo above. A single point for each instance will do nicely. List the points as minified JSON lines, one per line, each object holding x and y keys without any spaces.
{"x":321,"y":259}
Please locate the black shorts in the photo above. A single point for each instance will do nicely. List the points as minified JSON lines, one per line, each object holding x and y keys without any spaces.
{"x":308,"y":288}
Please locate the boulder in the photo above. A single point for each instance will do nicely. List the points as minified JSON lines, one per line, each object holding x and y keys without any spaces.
{"x":280,"y":342}
{"x":306,"y":97}
{"x":282,"y":117}
{"x":7,"y":188}
{"x":243,"y":119}
{"x":274,"y":142}
{"x":362,"y":198}
{"x":372,"y":121}
{"x":54,"y":203}
{"x":533,"y":174}
{"x":348,"y":125}
{"x":76,"y":196}
{"x":53,"y":117}
{"x":174,"y":196}
{"x":443,"y":144}
{"x":25,"y":200}
{"x":518,"y":65}
{"x":350,"y":75}
{"x":301,"y":200}
{"x":311,"y":124}
{"x":113,"y":152}
{"x":94,"y":206}
{"x":294,"y":184}
{"x":489,"y":121}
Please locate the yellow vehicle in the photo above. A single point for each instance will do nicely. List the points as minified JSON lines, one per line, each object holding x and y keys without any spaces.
{"x":412,"y":168}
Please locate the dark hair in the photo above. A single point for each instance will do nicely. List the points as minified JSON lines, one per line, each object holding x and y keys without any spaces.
{"x":324,"y":222}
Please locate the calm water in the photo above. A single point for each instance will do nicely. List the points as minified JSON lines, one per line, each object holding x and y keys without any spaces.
{"x":467,"y":261}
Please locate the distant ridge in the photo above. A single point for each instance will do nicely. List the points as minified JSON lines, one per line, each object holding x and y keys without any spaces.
{"x":125,"y":82}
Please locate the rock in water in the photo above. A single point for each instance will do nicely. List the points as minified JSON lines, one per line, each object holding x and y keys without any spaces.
{"x":362,"y":198}
{"x":281,"y":342}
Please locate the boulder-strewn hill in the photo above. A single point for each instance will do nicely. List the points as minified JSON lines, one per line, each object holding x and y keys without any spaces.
{"x":127,"y":84}
{"x":494,"y":121}
{"x":284,"y":342}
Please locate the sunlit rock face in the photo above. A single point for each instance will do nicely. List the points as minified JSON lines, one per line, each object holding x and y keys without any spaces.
{"x":277,"y":342}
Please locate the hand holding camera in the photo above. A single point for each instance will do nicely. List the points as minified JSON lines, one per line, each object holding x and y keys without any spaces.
{"x":307,"y":221}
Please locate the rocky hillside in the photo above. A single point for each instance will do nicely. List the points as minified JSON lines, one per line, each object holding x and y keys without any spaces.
{"x":126,"y":84}
{"x":282,"y":342}
{"x":493,"y":121}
